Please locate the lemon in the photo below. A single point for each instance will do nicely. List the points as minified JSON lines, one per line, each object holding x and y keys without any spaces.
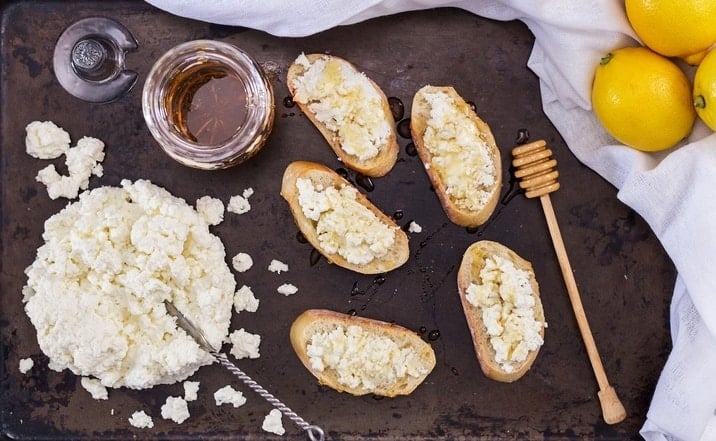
{"x":642,"y":99}
{"x":705,"y":90}
{"x":674,"y":28}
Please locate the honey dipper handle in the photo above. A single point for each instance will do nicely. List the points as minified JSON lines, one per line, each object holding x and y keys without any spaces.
{"x":612,"y":409}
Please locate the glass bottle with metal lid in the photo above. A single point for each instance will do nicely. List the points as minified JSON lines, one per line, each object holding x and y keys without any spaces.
{"x":208,"y":104}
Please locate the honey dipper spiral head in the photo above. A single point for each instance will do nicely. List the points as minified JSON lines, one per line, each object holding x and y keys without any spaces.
{"x":535,"y":168}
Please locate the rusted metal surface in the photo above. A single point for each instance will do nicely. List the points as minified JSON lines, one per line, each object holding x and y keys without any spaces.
{"x":623,"y":274}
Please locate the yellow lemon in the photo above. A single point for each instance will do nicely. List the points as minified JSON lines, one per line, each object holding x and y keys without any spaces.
{"x":705,"y":90}
{"x":642,"y":99}
{"x":674,"y":28}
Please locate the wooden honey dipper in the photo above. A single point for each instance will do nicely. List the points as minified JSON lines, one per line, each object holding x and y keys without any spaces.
{"x":537,"y":172}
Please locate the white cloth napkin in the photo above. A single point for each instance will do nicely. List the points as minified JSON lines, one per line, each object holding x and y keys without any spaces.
{"x":675,"y":192}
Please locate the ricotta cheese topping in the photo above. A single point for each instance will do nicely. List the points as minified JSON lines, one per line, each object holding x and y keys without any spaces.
{"x":244,"y":300}
{"x":361,"y":359}
{"x":287,"y":289}
{"x":344,"y":226}
{"x":346,"y":102}
{"x":459,"y":154}
{"x":242,"y":262}
{"x":211,"y":208}
{"x":507,"y":304}
{"x":191,"y":390}
{"x":276,"y":266}
{"x":96,"y":289}
{"x":83,"y":161}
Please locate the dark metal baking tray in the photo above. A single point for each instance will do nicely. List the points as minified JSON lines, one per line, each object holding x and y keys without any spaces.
{"x":623,"y":274}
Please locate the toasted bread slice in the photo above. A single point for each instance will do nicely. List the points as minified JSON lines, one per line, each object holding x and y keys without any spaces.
{"x":459,"y":154}
{"x":482,"y":289}
{"x":335,"y":352}
{"x":348,"y":108}
{"x":349,"y":230}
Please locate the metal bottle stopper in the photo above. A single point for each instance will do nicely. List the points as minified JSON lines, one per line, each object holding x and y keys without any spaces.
{"x":89,"y":59}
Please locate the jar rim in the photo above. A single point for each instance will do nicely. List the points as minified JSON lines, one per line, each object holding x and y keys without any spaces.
{"x":246,"y":139}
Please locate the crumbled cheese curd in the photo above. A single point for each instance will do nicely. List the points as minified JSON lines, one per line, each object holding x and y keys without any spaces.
{"x":44,"y":140}
{"x":414,"y":227}
{"x":141,"y":420}
{"x":507,"y":304}
{"x":191,"y":390}
{"x":344,"y":226}
{"x":83,"y":161}
{"x":459,"y":154}
{"x":228,"y":395}
{"x":346,"y":102}
{"x":212,"y":209}
{"x":242,"y":262}
{"x":244,"y":300}
{"x":95,"y":388}
{"x":276,"y":266}
{"x":25,"y":365}
{"x":244,"y":344}
{"x":287,"y":289}
{"x":240,"y":204}
{"x":363,"y":360}
{"x":272,"y":423}
{"x":175,"y":409}
{"x":96,"y":289}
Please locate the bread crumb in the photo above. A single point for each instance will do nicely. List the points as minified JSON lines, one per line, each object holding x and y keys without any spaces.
{"x":276,"y":266}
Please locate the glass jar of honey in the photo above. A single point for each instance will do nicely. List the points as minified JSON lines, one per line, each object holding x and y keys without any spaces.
{"x":208,"y":104}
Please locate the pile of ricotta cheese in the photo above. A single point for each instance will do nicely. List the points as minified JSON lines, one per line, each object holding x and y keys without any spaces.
{"x":96,"y":289}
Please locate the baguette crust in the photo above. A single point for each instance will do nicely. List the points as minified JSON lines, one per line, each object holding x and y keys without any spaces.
{"x":320,"y":174}
{"x":377,"y":166}
{"x":472,"y":263}
{"x":419,"y":118}
{"x":314,"y":321}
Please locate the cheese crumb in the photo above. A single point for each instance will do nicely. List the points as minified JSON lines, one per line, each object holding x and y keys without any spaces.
{"x":239,"y":204}
{"x":212,"y":209}
{"x":272,"y":423}
{"x":191,"y":390}
{"x":175,"y":409}
{"x":82,"y":161}
{"x":26,"y":364}
{"x":276,"y":266}
{"x":287,"y":289}
{"x":242,"y":262}
{"x":346,"y":103}
{"x":244,"y":344}
{"x":141,"y":420}
{"x":413,"y":227}
{"x":95,"y":388}
{"x":244,"y":300}
{"x":343,"y":225}
{"x":44,"y":140}
{"x":507,"y":303}
{"x":228,"y":395}
{"x":458,"y":152}
{"x":361,"y":359}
